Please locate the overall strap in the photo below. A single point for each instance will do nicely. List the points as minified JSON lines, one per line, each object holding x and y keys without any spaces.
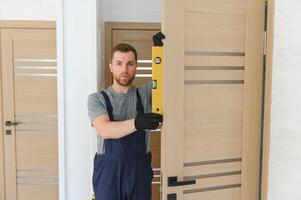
{"x":139,"y":106}
{"x":109,"y":105}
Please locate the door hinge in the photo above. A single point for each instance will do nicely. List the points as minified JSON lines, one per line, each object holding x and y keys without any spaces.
{"x":265,"y":43}
{"x":265,"y":39}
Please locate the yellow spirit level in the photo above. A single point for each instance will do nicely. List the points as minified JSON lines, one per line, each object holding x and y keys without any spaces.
{"x":157,"y":73}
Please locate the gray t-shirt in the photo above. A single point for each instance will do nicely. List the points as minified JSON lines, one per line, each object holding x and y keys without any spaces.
{"x":124,"y":107}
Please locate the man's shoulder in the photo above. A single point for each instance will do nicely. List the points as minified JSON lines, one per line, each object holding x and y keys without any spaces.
{"x":99,"y":94}
{"x":96,"y":97}
{"x":146,"y":87}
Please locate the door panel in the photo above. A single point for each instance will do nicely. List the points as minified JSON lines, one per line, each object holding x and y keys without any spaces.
{"x":30,"y":98}
{"x":224,"y":194}
{"x":212,"y":130}
{"x":212,"y":98}
{"x":214,"y":32}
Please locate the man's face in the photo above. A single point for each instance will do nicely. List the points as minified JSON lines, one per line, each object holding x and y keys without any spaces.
{"x":123,"y":67}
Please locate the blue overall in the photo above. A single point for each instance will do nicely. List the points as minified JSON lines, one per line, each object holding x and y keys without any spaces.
{"x":124,"y":171}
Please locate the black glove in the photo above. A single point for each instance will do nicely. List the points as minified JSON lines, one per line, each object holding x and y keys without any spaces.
{"x":148,"y":121}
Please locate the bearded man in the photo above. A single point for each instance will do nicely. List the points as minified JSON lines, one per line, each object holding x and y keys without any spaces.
{"x":121,"y":115}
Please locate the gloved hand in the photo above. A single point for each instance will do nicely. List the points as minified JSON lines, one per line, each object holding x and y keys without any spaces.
{"x":148,"y":121}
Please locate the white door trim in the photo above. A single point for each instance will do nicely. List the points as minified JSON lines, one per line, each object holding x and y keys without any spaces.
{"x":78,"y":50}
{"x":61,"y":98}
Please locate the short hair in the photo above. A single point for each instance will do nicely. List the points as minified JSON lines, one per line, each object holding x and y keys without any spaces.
{"x":124,"y":48}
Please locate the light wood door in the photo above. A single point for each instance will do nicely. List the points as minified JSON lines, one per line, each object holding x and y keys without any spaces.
{"x":29,"y":92}
{"x":212,"y":98}
{"x":139,"y":35}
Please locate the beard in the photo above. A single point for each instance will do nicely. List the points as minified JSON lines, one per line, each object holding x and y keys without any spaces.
{"x":124,"y":81}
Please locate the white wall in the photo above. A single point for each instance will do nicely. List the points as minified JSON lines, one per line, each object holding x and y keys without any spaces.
{"x":132,"y":10}
{"x":27,"y":9}
{"x":285,"y":150}
{"x":78,"y":57}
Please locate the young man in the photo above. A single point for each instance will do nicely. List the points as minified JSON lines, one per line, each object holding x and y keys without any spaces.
{"x":121,"y":114}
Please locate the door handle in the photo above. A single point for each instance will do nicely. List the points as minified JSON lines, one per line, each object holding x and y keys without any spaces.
{"x":9,"y":123}
{"x":173,"y":182}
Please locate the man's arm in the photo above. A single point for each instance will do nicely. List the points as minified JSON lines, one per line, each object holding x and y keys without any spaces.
{"x":113,"y":129}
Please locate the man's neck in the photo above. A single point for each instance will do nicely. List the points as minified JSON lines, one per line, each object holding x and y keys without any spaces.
{"x":120,"y":89}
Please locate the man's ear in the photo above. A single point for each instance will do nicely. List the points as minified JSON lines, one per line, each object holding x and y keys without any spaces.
{"x":110,"y":65}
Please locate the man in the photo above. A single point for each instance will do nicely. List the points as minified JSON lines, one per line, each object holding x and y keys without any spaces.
{"x":121,"y":114}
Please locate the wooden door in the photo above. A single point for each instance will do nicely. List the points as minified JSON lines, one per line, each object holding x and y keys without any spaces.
{"x":212,"y":98}
{"x":140,"y":36}
{"x":29,"y":97}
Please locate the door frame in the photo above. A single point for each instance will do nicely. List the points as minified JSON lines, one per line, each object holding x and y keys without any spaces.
{"x":13,"y":24}
{"x":267,"y":99}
